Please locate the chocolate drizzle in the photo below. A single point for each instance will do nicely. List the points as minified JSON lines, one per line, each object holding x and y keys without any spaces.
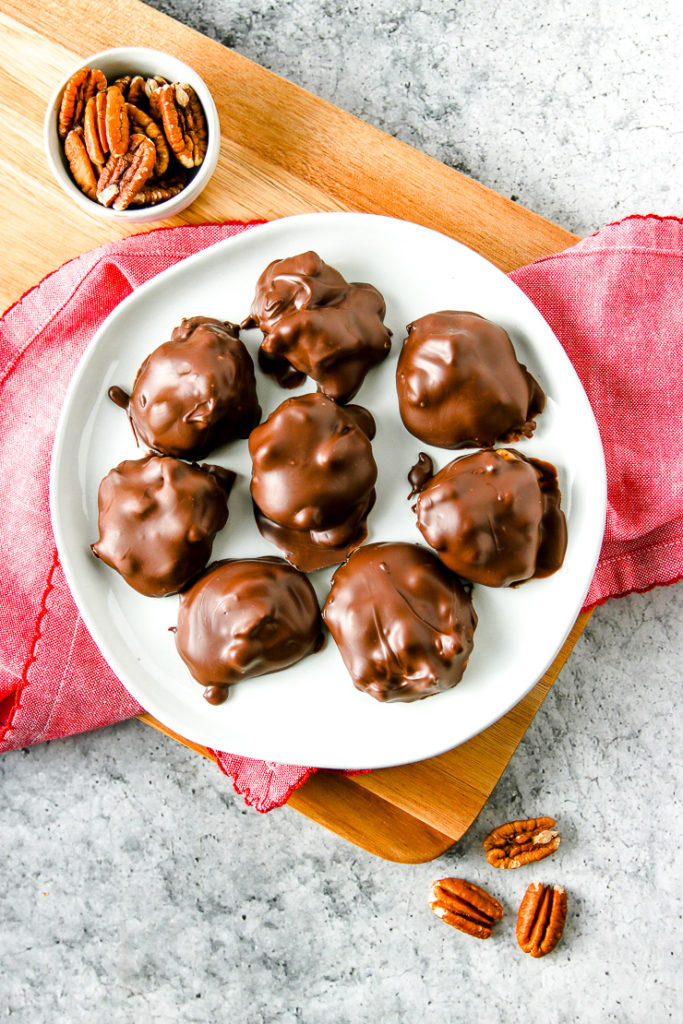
{"x":495,"y":518}
{"x":313,"y":479}
{"x":460,"y":385}
{"x":243,"y":618}
{"x":404,"y":623}
{"x":119,"y":396}
{"x":420,"y":473}
{"x":194,"y":392}
{"x":316,"y":324}
{"x":158,"y":518}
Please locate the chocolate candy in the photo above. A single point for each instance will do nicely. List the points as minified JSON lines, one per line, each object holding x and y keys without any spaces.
{"x":313,"y":479}
{"x":494,"y":517}
{"x":316,"y":324}
{"x":460,"y":385}
{"x":243,"y":618}
{"x":158,"y":518}
{"x":404,"y":623}
{"x":194,"y":392}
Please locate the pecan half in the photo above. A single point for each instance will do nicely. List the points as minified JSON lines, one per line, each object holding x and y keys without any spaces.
{"x":79,"y":162}
{"x":83,"y":84}
{"x":122,"y":83}
{"x":184,"y":123}
{"x":125,"y":176}
{"x":520,"y":842}
{"x":541,"y":917}
{"x":101,"y":112}
{"x":158,"y":192}
{"x":133,"y":88}
{"x":146,"y":125}
{"x":95,"y":144}
{"x":106,"y":125}
{"x":466,"y":906}
{"x":152,"y":86}
{"x":116,"y":122}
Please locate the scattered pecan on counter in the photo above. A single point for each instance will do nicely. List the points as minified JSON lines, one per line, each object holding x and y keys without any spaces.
{"x":132,"y":142}
{"x":466,"y":906}
{"x":541,"y":917}
{"x":543,"y":911}
{"x":520,"y":842}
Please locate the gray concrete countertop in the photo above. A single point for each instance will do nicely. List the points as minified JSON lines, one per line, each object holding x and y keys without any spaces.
{"x":138,"y":887}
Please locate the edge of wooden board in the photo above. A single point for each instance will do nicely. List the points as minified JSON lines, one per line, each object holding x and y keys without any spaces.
{"x":384,"y":811}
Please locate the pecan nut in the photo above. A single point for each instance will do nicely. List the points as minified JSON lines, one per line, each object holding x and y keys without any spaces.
{"x":184,"y":123}
{"x":146,"y":125}
{"x":133,"y":88}
{"x":94,"y":130}
{"x":81,"y":167}
{"x":117,"y":127}
{"x":106,"y":125}
{"x":123,"y":177}
{"x":158,"y":192}
{"x":541,"y":917}
{"x":152,"y":87}
{"x":83,"y":84}
{"x":520,"y":842}
{"x":466,"y":906}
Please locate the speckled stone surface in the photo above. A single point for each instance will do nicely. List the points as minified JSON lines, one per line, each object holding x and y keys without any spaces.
{"x":138,"y":887}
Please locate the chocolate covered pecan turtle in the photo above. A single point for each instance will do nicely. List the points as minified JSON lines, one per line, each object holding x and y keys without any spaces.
{"x":158,"y":518}
{"x":460,"y":385}
{"x":318,"y":325}
{"x":194,"y":392}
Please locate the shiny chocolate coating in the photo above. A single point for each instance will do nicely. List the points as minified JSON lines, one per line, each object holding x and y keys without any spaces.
{"x":460,"y":385}
{"x":495,"y":518}
{"x":318,"y":325}
{"x":158,"y":518}
{"x":298,"y":282}
{"x":404,"y":624}
{"x":243,"y":618}
{"x":313,"y":479}
{"x":194,"y":392}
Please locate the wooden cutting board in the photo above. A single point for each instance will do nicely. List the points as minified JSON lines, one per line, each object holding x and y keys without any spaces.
{"x":283,"y":151}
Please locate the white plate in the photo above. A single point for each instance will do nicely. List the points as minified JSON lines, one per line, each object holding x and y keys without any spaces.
{"x":311,"y":714}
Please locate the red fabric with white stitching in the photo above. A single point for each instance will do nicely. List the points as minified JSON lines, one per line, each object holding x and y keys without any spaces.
{"x":615,"y":301}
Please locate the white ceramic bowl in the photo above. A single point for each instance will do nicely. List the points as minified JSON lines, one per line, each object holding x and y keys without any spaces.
{"x":141,"y":61}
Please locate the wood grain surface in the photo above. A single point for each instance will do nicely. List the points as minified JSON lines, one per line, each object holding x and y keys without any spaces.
{"x":283,"y":151}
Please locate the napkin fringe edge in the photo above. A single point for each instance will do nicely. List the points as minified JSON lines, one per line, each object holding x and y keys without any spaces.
{"x":632,"y":590}
{"x":638,"y":216}
{"x":255,"y":801}
{"x":32,"y":656}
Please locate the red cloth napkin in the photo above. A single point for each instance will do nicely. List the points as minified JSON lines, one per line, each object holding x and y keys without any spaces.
{"x":614,"y":300}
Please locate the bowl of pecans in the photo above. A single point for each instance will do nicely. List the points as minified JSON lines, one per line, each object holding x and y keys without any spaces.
{"x":132,"y":134}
